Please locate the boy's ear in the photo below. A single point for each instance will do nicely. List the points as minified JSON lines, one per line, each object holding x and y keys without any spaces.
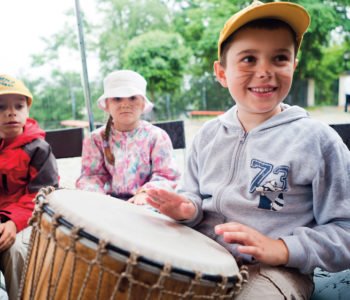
{"x":220,"y":73}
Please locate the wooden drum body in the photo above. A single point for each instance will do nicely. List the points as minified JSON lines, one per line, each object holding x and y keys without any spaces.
{"x":86,"y":245}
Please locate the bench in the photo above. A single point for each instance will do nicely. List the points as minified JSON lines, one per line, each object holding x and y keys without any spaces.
{"x":176,"y":132}
{"x":344,"y":131}
{"x":207,"y":113}
{"x":68,"y":142}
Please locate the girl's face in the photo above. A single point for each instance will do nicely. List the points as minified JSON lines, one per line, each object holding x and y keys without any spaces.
{"x":126,"y":112}
{"x":14,"y":112}
{"x":259,"y":71}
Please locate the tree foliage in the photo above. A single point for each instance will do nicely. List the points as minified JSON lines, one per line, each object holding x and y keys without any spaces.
{"x":122,"y":21}
{"x":326,"y":17}
{"x":153,"y":37}
{"x":160,"y":57}
{"x":59,"y":100}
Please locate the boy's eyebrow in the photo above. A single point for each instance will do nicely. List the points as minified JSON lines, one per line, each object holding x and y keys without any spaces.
{"x":283,"y":50}
{"x":247,"y":51}
{"x":253,"y":51}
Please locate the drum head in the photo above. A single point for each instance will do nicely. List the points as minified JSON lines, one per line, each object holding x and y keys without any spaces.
{"x":138,"y":229}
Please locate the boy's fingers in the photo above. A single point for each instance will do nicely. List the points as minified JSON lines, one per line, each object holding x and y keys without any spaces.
{"x":232,"y":227}
{"x":251,"y":250}
{"x":238,"y":237}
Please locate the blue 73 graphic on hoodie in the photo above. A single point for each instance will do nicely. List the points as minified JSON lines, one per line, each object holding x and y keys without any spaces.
{"x":270,"y":182}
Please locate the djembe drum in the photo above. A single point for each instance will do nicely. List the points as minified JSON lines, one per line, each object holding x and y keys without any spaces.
{"x":86,"y":245}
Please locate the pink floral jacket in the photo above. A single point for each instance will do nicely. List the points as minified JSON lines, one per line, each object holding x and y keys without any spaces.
{"x":143,"y":159}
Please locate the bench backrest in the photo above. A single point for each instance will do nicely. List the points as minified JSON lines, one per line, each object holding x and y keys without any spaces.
{"x":176,"y":132}
{"x":344,"y":132}
{"x":66,"y":142}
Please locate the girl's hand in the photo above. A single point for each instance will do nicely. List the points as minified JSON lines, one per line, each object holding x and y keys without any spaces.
{"x":262,"y":248}
{"x":171,"y":204}
{"x":139,"y":199}
{"x":8,"y":233}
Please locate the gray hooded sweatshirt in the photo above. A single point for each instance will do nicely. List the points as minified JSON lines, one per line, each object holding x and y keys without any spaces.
{"x":289,"y":178}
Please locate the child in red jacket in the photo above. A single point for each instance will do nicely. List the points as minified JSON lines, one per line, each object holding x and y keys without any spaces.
{"x":26,"y":165}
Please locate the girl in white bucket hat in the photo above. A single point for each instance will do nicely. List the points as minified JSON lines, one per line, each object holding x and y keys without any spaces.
{"x":127,"y":155}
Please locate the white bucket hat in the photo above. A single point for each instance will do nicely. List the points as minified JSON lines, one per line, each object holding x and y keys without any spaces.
{"x":124,"y":83}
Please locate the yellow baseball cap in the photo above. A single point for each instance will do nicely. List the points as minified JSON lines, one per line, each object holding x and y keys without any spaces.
{"x":293,"y":14}
{"x":10,"y":85}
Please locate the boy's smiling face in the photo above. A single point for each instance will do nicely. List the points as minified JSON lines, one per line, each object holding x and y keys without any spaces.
{"x":14,"y":112}
{"x":259,"y":70}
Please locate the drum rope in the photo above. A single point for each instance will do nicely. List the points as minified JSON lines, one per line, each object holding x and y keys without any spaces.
{"x":102,"y":252}
{"x":41,"y":201}
{"x":34,"y":221}
{"x":36,"y":254}
{"x":91,"y":264}
{"x":221,"y":288}
{"x":62,"y":263}
{"x":164,"y":274}
{"x":242,"y":279}
{"x":131,"y":263}
{"x":73,"y":241}
{"x":33,"y":236}
{"x":194,"y":282}
{"x":60,"y":270}
{"x":52,"y":236}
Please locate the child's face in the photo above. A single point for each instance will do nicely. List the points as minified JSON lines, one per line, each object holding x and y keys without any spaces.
{"x":259,"y":70}
{"x":14,"y":112}
{"x":125,"y":112}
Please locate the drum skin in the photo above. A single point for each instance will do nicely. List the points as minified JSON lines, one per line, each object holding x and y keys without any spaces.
{"x":63,"y":265}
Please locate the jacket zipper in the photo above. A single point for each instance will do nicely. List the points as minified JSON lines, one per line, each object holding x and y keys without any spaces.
{"x":233,"y":171}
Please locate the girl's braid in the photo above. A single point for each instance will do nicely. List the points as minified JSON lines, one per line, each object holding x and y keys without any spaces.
{"x":107,"y":150}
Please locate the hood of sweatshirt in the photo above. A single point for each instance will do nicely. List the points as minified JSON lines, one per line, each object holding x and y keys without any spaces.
{"x":289,"y":114}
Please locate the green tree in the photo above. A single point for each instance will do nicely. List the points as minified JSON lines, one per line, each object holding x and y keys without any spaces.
{"x":122,"y":21}
{"x":161,"y":58}
{"x":200,"y":22}
{"x":58,"y":100}
{"x":112,"y":37}
{"x":326,"y":17}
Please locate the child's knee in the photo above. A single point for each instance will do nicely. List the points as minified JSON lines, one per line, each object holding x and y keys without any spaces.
{"x":18,"y":251}
{"x":276,"y":283}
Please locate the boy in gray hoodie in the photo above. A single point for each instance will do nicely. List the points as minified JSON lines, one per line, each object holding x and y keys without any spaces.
{"x":264,"y":180}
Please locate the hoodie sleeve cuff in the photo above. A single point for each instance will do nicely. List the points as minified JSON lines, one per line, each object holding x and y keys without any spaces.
{"x":297,"y":254}
{"x":196,"y":218}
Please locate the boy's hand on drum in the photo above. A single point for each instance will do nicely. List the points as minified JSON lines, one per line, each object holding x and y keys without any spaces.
{"x":8,"y":232}
{"x":263,"y":248}
{"x":171,"y":204}
{"x":139,"y":199}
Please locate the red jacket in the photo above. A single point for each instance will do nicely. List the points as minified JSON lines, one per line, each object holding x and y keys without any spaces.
{"x":26,"y":165}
